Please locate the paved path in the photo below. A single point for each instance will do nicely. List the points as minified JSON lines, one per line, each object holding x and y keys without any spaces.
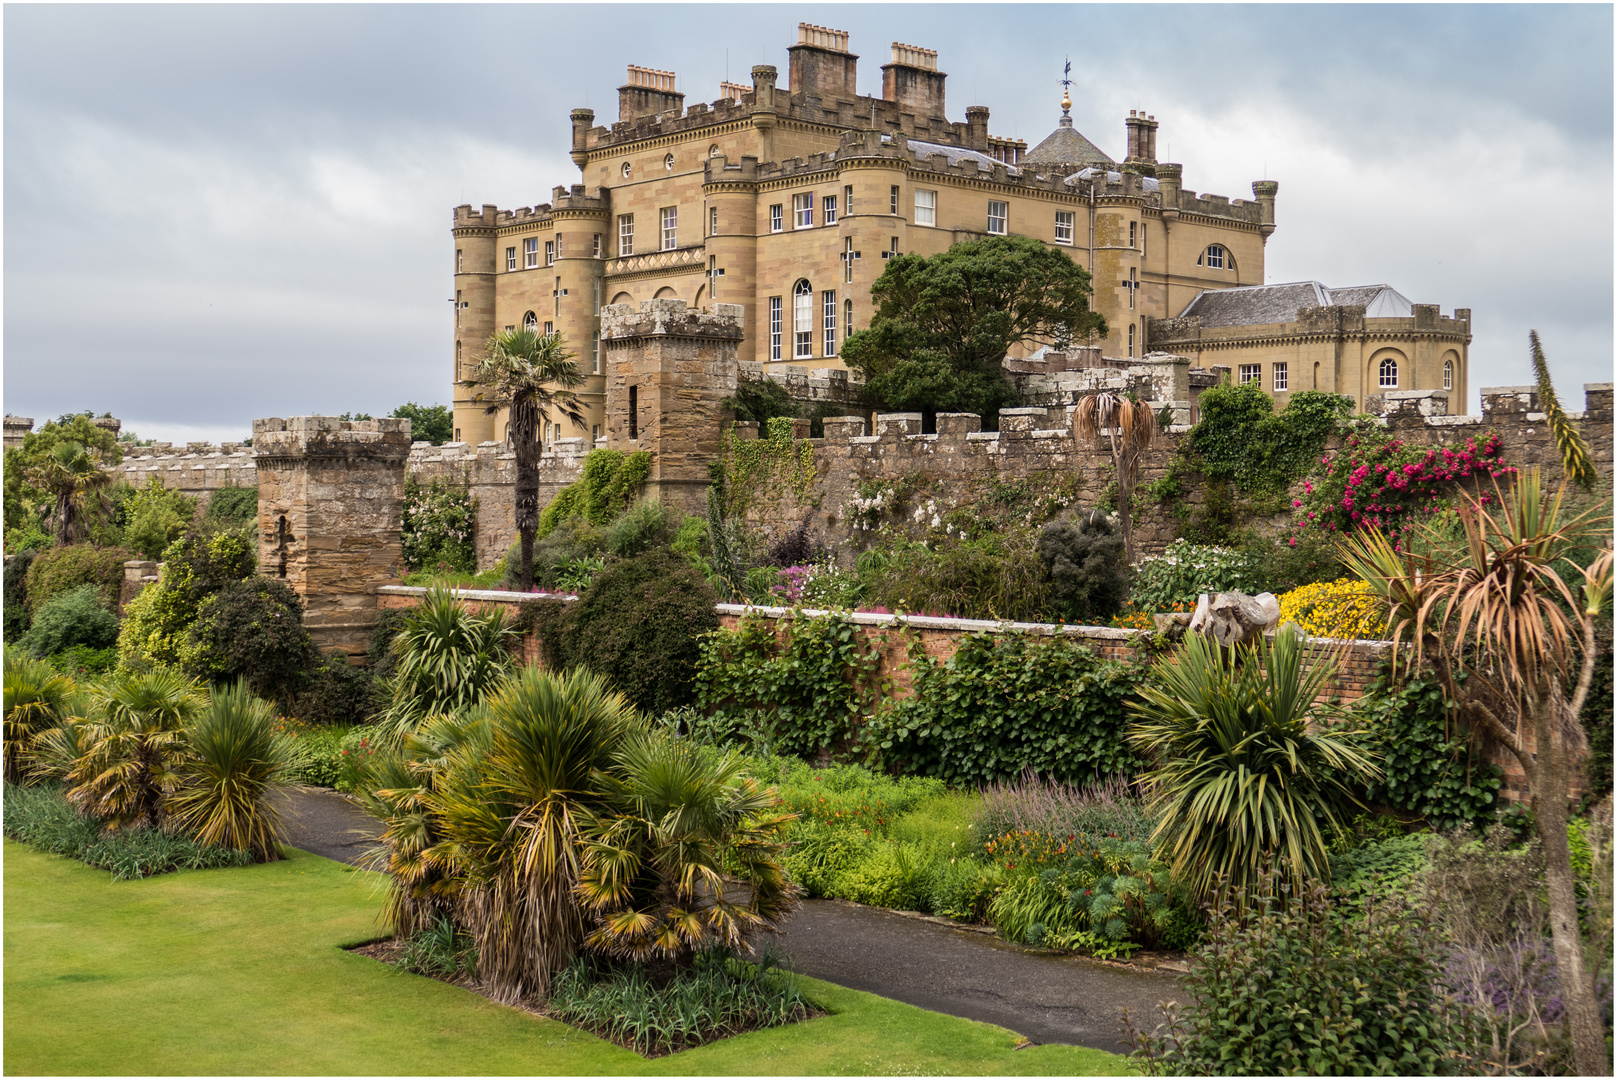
{"x":1045,"y":998}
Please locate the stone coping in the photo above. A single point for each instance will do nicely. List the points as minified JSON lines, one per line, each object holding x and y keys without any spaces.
{"x":935,"y":622}
{"x":496,"y":595}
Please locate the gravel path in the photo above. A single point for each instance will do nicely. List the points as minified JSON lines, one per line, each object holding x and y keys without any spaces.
{"x":1045,"y":998}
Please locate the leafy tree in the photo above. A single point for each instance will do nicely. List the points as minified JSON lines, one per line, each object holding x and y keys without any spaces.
{"x":530,"y":374}
{"x":434,"y":423}
{"x":157,"y":516}
{"x":944,"y":323}
{"x":1509,"y":619}
{"x":27,"y":504}
{"x":252,"y":630}
{"x":157,"y":622}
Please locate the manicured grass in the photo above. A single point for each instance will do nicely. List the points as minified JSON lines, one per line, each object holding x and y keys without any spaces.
{"x":241,"y":971}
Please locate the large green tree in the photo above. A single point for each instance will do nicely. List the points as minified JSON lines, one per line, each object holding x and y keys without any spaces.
{"x":434,"y":423}
{"x":57,"y":477}
{"x":944,"y":323}
{"x":529,"y":373}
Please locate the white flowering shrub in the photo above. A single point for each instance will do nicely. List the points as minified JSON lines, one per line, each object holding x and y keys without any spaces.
{"x":1183,"y":572}
{"x":440,"y":526}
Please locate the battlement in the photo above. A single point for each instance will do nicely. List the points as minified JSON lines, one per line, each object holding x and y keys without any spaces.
{"x":671,"y":318}
{"x":467,"y":218}
{"x":386,"y":439}
{"x":807,"y":385}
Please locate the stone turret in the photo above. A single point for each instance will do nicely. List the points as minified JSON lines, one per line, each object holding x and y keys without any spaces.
{"x":330,"y":511}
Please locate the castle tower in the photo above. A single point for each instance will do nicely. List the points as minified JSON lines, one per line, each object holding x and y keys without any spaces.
{"x":474,"y":316}
{"x":330,"y":511}
{"x":669,"y":370}
{"x":581,"y":224}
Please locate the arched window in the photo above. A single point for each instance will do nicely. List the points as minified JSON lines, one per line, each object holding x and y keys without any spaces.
{"x":1448,"y":374}
{"x":802,"y":319}
{"x":1215,"y":258}
{"x":713,"y":151}
{"x":1389,"y":373}
{"x":530,"y":321}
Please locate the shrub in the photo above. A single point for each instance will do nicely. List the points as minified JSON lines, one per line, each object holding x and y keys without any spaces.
{"x":36,"y":698}
{"x":1378,"y":868}
{"x":1184,"y":571}
{"x":1284,"y":988}
{"x":16,"y":594}
{"x":809,"y":682}
{"x":1240,"y":439}
{"x":608,"y":481}
{"x":719,"y":995}
{"x":339,"y":692}
{"x":999,"y":708}
{"x":569,"y":542}
{"x":252,"y":630}
{"x":643,"y":526}
{"x":316,"y":752}
{"x":157,"y":622}
{"x":1346,"y":608}
{"x":41,"y":817}
{"x":1053,"y":809}
{"x":639,"y":624}
{"x":440,"y":525}
{"x":234,"y":761}
{"x":74,"y":617}
{"x":59,"y":569}
{"x":796,"y":546}
{"x":155,"y":517}
{"x":447,"y":660}
{"x":1086,"y":566}
{"x":1429,"y":767}
{"x":1247,"y":763}
{"x":231,"y":507}
{"x":81,"y":661}
{"x":441,"y":951}
{"x":994,"y":576}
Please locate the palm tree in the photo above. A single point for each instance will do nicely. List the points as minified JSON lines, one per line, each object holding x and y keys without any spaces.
{"x":37,"y":698}
{"x":1130,"y":427}
{"x":1508,"y":634}
{"x":75,"y":478}
{"x":1247,"y":762}
{"x":233,"y":761}
{"x":653,"y":876}
{"x":529,"y":373}
{"x":448,"y":659}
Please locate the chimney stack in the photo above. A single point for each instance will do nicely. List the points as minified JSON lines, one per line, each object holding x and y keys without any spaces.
{"x":649,"y":92}
{"x":913,"y":81}
{"x":821,"y":64}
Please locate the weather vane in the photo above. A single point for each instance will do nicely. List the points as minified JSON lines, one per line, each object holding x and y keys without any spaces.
{"x":1066,"y":81}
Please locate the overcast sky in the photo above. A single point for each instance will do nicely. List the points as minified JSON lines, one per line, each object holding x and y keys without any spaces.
{"x":214,"y":213}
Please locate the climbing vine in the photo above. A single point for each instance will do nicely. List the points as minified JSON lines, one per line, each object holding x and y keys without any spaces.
{"x":608,"y":483}
{"x":775,"y":460}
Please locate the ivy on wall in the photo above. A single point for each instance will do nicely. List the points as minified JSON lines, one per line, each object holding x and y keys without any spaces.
{"x":1429,"y":767}
{"x":608,"y":482}
{"x":770,"y":465}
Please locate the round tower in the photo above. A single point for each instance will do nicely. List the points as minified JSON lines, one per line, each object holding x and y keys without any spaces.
{"x":731,"y":226}
{"x":473,"y":316}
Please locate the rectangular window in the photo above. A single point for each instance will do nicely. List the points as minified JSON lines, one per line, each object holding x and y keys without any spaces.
{"x":1131,"y":340}
{"x":1251,"y":372}
{"x":926,"y":207}
{"x":597,"y":284}
{"x":530,"y":252}
{"x":847,"y":317}
{"x":847,"y":200}
{"x":802,"y":322}
{"x":777,"y":218}
{"x":670,"y":216}
{"x":596,"y":253}
{"x":998,"y":213}
{"x":1142,"y":238}
{"x":510,"y":258}
{"x":550,"y":253}
{"x":1134,"y":286}
{"x":625,"y":235}
{"x":1063,"y":226}
{"x":1133,"y":233}
{"x":774,"y":328}
{"x":460,"y":262}
{"x":892,"y":200}
{"x":595,"y":351}
{"x":634,"y":412}
{"x":550,"y":328}
{"x":1280,"y":376}
{"x":458,"y":303}
{"x":558,"y":246}
{"x":713,"y":221}
{"x":803,"y":210}
{"x":829,"y":209}
{"x":829,"y":308}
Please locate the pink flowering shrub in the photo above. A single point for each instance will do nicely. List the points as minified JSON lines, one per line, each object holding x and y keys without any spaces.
{"x":1382,"y":481}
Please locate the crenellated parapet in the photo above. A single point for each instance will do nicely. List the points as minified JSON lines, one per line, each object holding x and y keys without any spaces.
{"x":806,"y":385}
{"x":198,"y":470}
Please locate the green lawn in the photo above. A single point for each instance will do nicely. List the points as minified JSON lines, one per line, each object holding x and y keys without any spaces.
{"x":242,"y":971}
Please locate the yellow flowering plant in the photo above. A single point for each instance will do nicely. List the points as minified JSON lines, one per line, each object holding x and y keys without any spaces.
{"x":1345,"y":608}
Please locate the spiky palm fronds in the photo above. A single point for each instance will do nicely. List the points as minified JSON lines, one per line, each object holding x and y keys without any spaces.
{"x":513,"y":813}
{"x":233,"y":761}
{"x":1246,"y":761}
{"x":448,"y":660}
{"x":37,"y":697}
{"x":72,"y":473}
{"x":1568,"y":441}
{"x":654,"y":873}
{"x":1130,"y":428}
{"x":132,"y":739}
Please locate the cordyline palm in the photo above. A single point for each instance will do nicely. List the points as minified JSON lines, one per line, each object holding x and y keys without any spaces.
{"x":37,"y":698}
{"x":653,"y":877}
{"x":1129,"y":427}
{"x":1247,"y":761}
{"x":448,"y":659}
{"x":1568,"y":442}
{"x":233,"y":762}
{"x":73,"y":476}
{"x":130,"y":745}
{"x":529,"y":373}
{"x":512,"y":814}
{"x":1507,"y":627}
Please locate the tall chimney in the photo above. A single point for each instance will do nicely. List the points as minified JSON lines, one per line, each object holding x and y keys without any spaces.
{"x":913,"y":80}
{"x":821,"y":63}
{"x":649,"y":92}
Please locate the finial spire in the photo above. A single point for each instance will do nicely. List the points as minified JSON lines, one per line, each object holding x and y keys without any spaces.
{"x":1066,"y":96}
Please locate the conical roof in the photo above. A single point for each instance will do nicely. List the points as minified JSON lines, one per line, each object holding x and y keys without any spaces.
{"x":1066,"y":146}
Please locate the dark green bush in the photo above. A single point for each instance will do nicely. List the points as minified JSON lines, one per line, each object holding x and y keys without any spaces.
{"x":74,"y":617}
{"x":994,"y":576}
{"x":57,"y":570}
{"x":999,"y":708}
{"x":380,"y":660}
{"x":253,"y":630}
{"x":231,"y":507}
{"x":1429,"y":766}
{"x":639,"y":624}
{"x":81,"y":661}
{"x":1378,"y":868}
{"x":1283,"y":989}
{"x":571,"y":540}
{"x":40,"y":816}
{"x":1088,"y":571}
{"x":338,"y":692}
{"x":16,"y":593}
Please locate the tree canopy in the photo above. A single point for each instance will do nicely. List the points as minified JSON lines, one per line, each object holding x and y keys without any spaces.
{"x":434,"y":423}
{"x":944,"y":323}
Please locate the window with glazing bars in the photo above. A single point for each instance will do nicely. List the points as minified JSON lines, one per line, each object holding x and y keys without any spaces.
{"x":802,"y":321}
{"x":829,"y":310}
{"x":625,"y":235}
{"x":774,"y":328}
{"x":670,"y":228}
